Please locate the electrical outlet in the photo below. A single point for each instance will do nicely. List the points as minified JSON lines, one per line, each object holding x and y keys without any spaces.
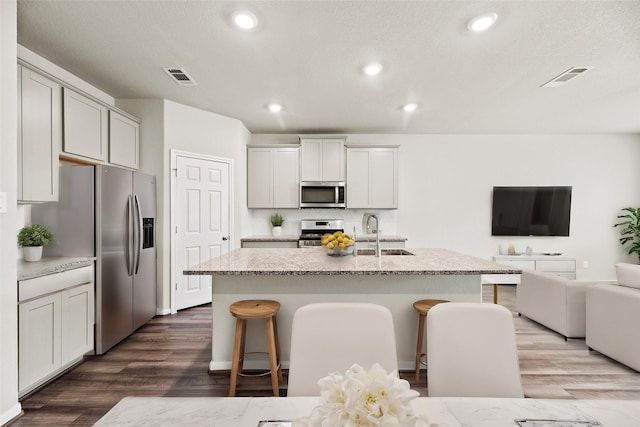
{"x":585,"y":264}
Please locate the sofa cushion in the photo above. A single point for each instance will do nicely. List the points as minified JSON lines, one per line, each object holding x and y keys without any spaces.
{"x":628,"y":275}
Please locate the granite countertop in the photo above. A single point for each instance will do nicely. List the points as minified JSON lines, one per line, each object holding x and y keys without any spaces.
{"x":383,"y":238}
{"x":270,"y":238}
{"x":292,"y":238}
{"x":314,"y":261}
{"x":31,"y":270}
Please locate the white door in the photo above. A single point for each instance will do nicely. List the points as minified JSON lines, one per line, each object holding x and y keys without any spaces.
{"x":202,"y":224}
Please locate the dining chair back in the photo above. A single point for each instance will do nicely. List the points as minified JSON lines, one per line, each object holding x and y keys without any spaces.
{"x":331,"y":337}
{"x":471,"y":349}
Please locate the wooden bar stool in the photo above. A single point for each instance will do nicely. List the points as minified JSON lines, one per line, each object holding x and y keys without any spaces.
{"x":251,"y":310}
{"x":422,"y":307}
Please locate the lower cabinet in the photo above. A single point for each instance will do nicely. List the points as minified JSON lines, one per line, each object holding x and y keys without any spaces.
{"x":384,"y":244}
{"x":269,"y":244}
{"x":56,"y":327}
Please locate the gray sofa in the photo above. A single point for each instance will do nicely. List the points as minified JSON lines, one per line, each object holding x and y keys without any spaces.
{"x":553,"y":301}
{"x":613,"y":316}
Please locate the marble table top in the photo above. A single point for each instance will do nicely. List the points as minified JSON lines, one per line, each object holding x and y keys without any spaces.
{"x":441,"y":412}
{"x":314,"y":261}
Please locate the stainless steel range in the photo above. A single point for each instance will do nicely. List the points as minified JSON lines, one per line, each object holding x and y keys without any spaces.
{"x":313,"y":229}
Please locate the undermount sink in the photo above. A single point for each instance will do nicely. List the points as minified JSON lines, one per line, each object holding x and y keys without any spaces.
{"x":372,"y":251}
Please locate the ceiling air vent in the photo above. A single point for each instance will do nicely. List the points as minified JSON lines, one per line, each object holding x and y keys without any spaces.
{"x":566,"y":76}
{"x":180,"y":76}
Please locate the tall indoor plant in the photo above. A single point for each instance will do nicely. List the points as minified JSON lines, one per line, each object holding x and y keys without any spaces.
{"x":32,"y":238}
{"x":631,"y":231}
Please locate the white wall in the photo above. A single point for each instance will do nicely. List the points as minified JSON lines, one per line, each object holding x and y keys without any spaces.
{"x":446,"y":183}
{"x":167,"y":125}
{"x":9,"y":406}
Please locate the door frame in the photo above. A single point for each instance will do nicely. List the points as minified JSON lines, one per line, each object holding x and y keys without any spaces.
{"x":174,"y":178}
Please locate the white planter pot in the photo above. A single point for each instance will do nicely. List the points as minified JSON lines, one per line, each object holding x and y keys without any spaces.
{"x":276,"y":231}
{"x":32,"y":253}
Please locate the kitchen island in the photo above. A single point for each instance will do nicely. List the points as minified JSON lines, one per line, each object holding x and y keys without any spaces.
{"x":296,"y":277}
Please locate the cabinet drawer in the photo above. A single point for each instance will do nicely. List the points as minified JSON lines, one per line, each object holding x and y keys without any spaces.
{"x":523,"y":265}
{"x":556,"y":265}
{"x":33,"y":288}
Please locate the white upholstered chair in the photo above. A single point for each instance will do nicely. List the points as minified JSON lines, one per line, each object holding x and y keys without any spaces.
{"x":472,"y":351}
{"x":331,"y":337}
{"x":613,"y":316}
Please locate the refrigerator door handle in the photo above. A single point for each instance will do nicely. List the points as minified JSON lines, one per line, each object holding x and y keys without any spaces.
{"x":130,"y":238}
{"x":138,"y":233}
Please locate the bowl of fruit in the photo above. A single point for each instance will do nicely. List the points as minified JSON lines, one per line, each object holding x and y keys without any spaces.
{"x":337,"y":244}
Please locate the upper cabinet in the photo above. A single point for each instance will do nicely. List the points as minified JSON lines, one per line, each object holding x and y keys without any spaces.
{"x":39,"y":136}
{"x":85,"y":127}
{"x":372,"y":177}
{"x":273,"y":178}
{"x":322,"y":159}
{"x":124,"y":137}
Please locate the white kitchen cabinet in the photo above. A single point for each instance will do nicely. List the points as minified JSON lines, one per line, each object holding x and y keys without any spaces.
{"x":77,"y":312}
{"x":56,"y":318}
{"x":39,"y":136}
{"x":322,"y":159}
{"x":124,"y":141}
{"x":384,"y":244}
{"x":273,"y":177}
{"x":372,"y":177}
{"x":270,"y":244}
{"x":85,"y":127}
{"x":39,"y":340}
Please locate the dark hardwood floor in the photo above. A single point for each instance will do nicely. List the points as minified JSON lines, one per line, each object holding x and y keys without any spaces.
{"x":169,"y":357}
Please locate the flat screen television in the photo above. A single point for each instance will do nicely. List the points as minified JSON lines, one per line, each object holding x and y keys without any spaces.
{"x":531,"y":211}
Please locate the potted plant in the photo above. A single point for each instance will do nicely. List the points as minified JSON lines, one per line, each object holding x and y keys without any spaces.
{"x":631,"y":231}
{"x":276,"y":222}
{"x":32,"y":238}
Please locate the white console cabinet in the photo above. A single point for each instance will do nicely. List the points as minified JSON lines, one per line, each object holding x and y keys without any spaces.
{"x":553,"y":264}
{"x":56,"y":317}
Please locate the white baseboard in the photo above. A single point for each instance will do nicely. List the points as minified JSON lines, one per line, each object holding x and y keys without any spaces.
{"x":10,"y":414}
{"x":163,"y":312}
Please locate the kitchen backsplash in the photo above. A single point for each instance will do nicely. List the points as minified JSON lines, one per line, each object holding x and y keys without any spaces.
{"x":260,"y":224}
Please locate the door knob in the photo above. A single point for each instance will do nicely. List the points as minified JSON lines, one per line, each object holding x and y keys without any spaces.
{"x":225,"y":238}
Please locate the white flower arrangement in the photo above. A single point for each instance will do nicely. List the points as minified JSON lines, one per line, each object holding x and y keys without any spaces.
{"x":364,"y":399}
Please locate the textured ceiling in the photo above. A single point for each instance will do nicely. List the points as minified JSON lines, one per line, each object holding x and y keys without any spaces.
{"x":308,"y":56}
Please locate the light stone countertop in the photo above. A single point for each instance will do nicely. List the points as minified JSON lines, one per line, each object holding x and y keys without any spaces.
{"x":292,"y":238}
{"x":270,"y":238}
{"x":314,"y":261}
{"x":383,"y":238}
{"x":31,"y":270}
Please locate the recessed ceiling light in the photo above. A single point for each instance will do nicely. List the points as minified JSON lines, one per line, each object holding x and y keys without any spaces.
{"x":275,"y":108}
{"x":245,"y":20}
{"x":372,"y":69}
{"x":482,"y":22}
{"x":410,"y":107}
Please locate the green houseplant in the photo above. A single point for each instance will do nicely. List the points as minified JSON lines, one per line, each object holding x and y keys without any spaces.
{"x":630,"y":232}
{"x":276,"y":222}
{"x":32,"y":238}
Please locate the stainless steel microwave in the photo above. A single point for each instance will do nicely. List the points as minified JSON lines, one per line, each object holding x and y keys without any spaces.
{"x":322,"y":194}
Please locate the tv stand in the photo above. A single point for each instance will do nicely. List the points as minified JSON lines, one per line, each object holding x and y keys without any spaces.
{"x":552,"y":264}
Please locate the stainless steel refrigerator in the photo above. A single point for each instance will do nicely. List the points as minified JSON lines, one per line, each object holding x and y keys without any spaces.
{"x":109,"y":213}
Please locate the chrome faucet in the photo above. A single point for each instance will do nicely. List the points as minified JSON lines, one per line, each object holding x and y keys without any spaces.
{"x":377,"y":231}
